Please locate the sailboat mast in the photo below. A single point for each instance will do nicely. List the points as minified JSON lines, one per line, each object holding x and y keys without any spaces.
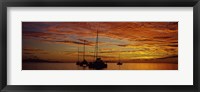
{"x":78,"y":54}
{"x":84,"y":51}
{"x":97,"y":44}
{"x":119,"y":56}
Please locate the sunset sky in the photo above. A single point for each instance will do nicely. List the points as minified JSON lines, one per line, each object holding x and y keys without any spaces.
{"x":134,"y":41}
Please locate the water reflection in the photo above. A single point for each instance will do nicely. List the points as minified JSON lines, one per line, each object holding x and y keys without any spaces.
{"x":111,"y":66}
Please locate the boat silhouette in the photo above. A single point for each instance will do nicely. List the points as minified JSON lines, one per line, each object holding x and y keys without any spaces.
{"x":78,"y":62}
{"x":98,"y":63}
{"x":84,"y":63}
{"x":119,"y":62}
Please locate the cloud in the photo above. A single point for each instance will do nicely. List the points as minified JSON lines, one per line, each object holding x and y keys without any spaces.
{"x":65,"y":42}
{"x":122,"y":45}
{"x":133,"y":31}
{"x":171,"y":56}
{"x":139,"y":38}
{"x":88,"y":43}
{"x":101,"y":56}
{"x":31,"y":50}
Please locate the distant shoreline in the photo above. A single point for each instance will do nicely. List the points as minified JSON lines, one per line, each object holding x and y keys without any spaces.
{"x":134,"y":61}
{"x":107,"y":62}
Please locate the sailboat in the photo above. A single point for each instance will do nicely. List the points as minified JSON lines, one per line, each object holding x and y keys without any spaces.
{"x":78,"y":62}
{"x":84,"y":63}
{"x":98,"y":63}
{"x":119,"y":62}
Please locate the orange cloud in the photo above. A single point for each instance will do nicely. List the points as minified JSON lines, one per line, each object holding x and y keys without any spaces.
{"x":135,"y":40}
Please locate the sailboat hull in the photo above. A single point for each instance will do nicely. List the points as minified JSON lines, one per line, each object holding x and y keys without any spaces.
{"x":119,"y":63}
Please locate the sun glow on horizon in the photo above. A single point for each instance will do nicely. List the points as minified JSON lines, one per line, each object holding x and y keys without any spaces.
{"x":132,"y":41}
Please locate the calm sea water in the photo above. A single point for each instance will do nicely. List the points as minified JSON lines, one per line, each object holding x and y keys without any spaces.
{"x":111,"y":66}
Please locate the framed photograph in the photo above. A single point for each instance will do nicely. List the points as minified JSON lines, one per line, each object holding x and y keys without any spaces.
{"x":121,"y":45}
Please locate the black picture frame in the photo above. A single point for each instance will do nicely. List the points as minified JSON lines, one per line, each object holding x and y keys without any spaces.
{"x":98,"y":3}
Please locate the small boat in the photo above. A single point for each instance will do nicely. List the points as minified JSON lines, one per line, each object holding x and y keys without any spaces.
{"x":98,"y":64}
{"x":119,"y":63}
{"x":84,"y":63}
{"x":78,"y":63}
